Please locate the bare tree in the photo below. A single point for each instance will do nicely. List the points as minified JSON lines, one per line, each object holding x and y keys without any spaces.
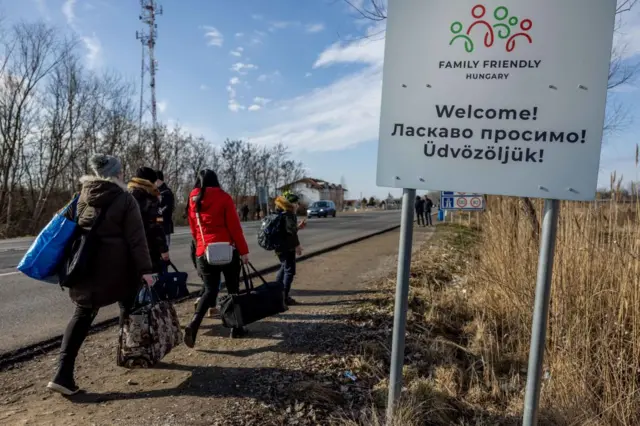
{"x":31,"y":52}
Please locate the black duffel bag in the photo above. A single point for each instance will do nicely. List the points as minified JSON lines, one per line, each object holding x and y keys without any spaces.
{"x":171,"y":285}
{"x":253,"y":303}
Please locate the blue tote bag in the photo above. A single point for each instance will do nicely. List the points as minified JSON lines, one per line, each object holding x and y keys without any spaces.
{"x":43,"y":257}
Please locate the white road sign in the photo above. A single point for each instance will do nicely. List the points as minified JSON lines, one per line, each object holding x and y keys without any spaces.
{"x":461,"y":201}
{"x":495,"y":97}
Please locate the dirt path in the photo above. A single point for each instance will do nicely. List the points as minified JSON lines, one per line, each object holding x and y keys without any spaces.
{"x":262,"y":380}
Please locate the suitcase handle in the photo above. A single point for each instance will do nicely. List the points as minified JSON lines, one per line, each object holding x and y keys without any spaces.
{"x":166,"y":265}
{"x":258,"y":274}
{"x":245,"y":276}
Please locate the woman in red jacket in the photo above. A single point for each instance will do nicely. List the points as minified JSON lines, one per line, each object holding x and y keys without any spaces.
{"x":220,"y":224}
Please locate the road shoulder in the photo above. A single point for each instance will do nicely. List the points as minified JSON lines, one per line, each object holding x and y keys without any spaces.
{"x":265,"y":379}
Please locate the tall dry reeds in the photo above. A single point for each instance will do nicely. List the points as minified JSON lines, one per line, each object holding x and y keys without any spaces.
{"x":592,"y":361}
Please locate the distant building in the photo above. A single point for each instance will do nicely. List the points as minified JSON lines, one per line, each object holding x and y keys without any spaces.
{"x":311,"y":190}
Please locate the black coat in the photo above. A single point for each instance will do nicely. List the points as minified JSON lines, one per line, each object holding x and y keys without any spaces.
{"x":167,"y":208}
{"x":122,"y":257}
{"x":148,"y":198}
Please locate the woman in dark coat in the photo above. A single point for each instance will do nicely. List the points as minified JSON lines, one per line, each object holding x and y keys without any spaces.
{"x":115,"y":272}
{"x":144,"y":190}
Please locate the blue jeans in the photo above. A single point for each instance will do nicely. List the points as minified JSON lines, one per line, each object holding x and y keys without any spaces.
{"x":287,"y":270}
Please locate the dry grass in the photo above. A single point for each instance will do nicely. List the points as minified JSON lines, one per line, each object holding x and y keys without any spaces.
{"x":593,"y":349}
{"x":471,"y":303}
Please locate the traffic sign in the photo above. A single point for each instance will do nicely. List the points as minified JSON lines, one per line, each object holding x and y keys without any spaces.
{"x":466,"y":201}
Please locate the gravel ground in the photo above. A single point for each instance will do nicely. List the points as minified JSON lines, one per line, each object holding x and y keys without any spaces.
{"x":289,"y":371}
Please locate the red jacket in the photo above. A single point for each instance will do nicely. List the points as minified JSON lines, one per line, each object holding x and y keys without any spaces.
{"x":220,"y":221}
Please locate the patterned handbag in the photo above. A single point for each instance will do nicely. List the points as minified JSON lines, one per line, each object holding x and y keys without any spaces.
{"x":150,"y":333}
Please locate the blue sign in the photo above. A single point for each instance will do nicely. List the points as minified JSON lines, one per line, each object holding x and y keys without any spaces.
{"x":466,"y":201}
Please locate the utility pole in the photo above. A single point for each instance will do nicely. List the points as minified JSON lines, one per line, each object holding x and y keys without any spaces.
{"x":150,"y":9}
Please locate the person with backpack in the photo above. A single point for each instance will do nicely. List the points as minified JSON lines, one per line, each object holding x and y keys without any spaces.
{"x":289,"y":245}
{"x":428,"y":205}
{"x":167,"y":206}
{"x":419,"y":206}
{"x":144,"y":190}
{"x":213,"y":218}
{"x":118,"y":264}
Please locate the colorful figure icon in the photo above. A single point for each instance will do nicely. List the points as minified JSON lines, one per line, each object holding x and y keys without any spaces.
{"x":525,"y":26}
{"x":478,"y":12}
{"x":456,"y":29}
{"x":504,"y":31}
{"x":504,"y":28}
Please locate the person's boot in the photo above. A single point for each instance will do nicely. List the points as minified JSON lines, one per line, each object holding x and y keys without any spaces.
{"x":63,"y":382}
{"x":191,"y":331}
{"x":290,"y":301}
{"x":238,"y":333}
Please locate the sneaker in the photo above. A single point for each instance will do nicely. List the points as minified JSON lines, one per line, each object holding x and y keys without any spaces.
{"x":238,"y":333}
{"x":66,"y":389}
{"x":290,"y":301}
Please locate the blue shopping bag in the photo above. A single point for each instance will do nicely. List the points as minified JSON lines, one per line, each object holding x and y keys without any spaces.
{"x":43,"y":257}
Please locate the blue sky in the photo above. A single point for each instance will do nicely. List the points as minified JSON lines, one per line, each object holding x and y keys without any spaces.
{"x":272,"y":71}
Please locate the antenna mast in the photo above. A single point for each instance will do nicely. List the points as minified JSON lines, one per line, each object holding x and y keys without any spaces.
{"x":150,"y":9}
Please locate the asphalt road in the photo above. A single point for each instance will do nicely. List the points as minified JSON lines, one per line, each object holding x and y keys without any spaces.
{"x":32,"y":311}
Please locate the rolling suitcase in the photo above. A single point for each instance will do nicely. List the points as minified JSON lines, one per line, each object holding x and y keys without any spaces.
{"x":253,"y":303}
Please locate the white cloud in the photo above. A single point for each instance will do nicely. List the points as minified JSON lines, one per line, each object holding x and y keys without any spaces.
{"x":237,"y":52}
{"x":213,"y":36}
{"x":340,"y":115}
{"x":307,"y":75}
{"x":261,"y":101}
{"x":315,"y":28}
{"x":232,"y":92}
{"x":367,"y":51}
{"x":94,"y":51}
{"x":266,"y":77}
{"x":162,"y":106}
{"x":257,"y":17}
{"x":68,"y":11}
{"x":281,"y":25}
{"x":234,"y":106}
{"x":255,"y":107}
{"x":257,"y":38}
{"x":242,"y":68}
{"x":234,"y":80}
{"x":239,"y":35}
{"x":204,"y":87}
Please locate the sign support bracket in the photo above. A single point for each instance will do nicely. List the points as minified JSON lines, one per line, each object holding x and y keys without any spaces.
{"x":401,"y":302}
{"x":541,"y":311}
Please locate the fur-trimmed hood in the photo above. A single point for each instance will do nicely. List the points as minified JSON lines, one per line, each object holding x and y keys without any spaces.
{"x":143,"y":185}
{"x":98,"y":192}
{"x":284,"y":204}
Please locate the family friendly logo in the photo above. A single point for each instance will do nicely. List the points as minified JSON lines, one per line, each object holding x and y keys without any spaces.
{"x":506,"y":27}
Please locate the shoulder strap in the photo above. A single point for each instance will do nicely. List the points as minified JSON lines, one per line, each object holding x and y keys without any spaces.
{"x":204,"y":243}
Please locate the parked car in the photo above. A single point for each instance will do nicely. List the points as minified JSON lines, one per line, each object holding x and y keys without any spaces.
{"x":322,"y":209}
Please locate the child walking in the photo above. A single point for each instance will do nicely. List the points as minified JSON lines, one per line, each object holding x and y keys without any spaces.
{"x":286,"y":205}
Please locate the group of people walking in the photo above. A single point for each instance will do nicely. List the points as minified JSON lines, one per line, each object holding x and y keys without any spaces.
{"x":132,"y":244}
{"x":423,"y":210}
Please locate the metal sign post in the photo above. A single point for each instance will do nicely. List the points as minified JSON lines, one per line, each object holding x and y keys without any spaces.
{"x":541,"y":311}
{"x":402,"y":300}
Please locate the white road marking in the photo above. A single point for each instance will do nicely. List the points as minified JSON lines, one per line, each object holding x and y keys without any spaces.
{"x":8,"y":274}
